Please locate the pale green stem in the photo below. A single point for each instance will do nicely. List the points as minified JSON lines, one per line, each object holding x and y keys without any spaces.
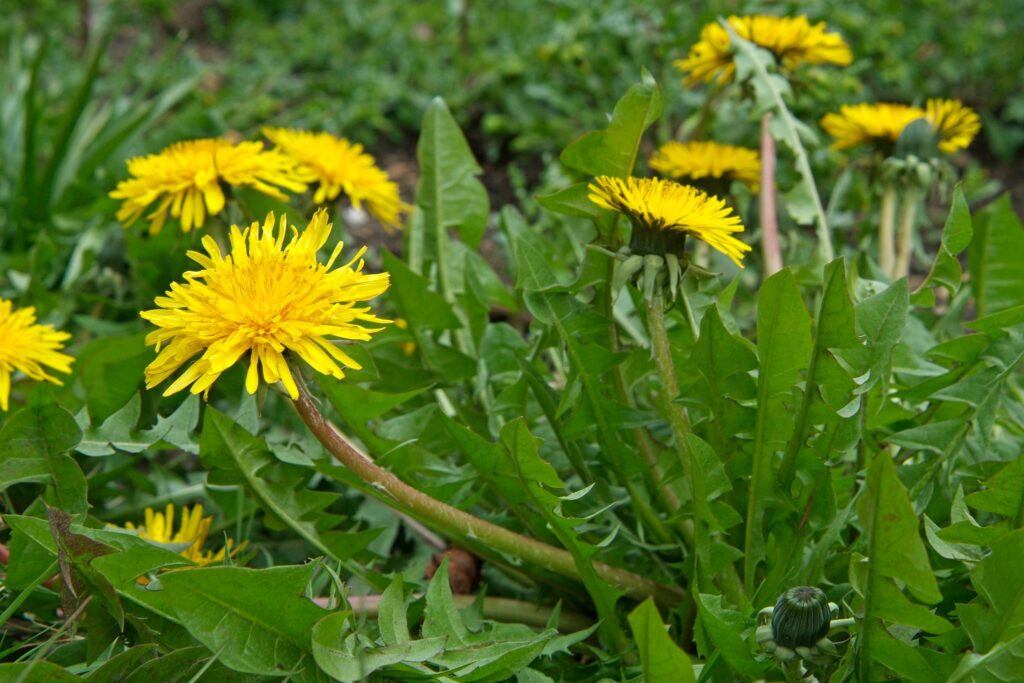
{"x":678,"y":422}
{"x":770,"y":249}
{"x":886,"y":231}
{"x":727,"y":580}
{"x":483,"y":537}
{"x":908,"y":212}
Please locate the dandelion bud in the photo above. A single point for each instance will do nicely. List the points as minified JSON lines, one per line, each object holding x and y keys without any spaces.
{"x":801,"y":617}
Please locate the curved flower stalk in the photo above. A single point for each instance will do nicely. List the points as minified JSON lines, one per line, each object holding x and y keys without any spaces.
{"x":911,"y":138}
{"x":793,"y":40}
{"x":336,"y":166}
{"x":188,"y":180}
{"x":263,"y":299}
{"x":28,"y":347}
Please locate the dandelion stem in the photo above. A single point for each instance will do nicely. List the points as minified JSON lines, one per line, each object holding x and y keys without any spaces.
{"x":908,"y":212}
{"x":772,"y":253}
{"x":678,"y":422}
{"x":727,"y":580}
{"x":484,"y":538}
{"x":886,"y":232}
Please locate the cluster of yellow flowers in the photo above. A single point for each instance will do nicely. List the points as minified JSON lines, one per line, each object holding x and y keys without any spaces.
{"x":188,"y":180}
{"x":661,"y":205}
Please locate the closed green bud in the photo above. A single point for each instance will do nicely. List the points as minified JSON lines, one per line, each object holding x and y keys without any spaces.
{"x":801,"y":617}
{"x":918,"y":139}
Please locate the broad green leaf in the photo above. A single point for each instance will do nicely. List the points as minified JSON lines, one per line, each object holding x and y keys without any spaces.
{"x":827,"y":381}
{"x":894,"y":552}
{"x":448,"y":195}
{"x":36,"y":671}
{"x":724,"y":629}
{"x":348,"y":657}
{"x":421,"y":307}
{"x":441,"y":619}
{"x":997,"y":580}
{"x":1003,"y":493}
{"x":783,"y":348}
{"x":945,"y":270}
{"x":230,"y":452}
{"x":613,"y":151}
{"x":392,"y":618}
{"x":111,"y":370}
{"x":996,"y":258}
{"x":725,"y":361}
{"x":34,"y":445}
{"x":571,"y":201}
{"x":537,"y":478}
{"x":661,"y":658}
{"x":256,"y":620}
{"x":881,"y":319}
{"x":1002,"y":664}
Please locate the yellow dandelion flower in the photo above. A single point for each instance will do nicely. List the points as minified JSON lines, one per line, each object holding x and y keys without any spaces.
{"x":187,"y":180}
{"x":665,"y":207}
{"x":264,"y":298}
{"x":879,"y":124}
{"x":338,"y":165}
{"x":191,"y":533}
{"x":697,"y":160}
{"x":793,"y":41}
{"x":28,"y":347}
{"x":882,"y":123}
{"x":955,"y":123}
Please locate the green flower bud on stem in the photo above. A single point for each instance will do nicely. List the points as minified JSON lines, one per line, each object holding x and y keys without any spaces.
{"x":801,"y":617}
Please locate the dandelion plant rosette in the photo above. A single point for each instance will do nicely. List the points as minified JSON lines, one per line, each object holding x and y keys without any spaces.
{"x":337,"y":165}
{"x":268,"y":298}
{"x":28,"y":347}
{"x":188,"y":180}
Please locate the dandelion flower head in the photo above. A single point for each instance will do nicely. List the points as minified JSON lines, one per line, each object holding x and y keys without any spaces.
{"x":656,"y":204}
{"x":793,"y":40}
{"x":187,"y":180}
{"x":696,"y":160}
{"x":268,"y":296}
{"x":28,"y":347}
{"x":880,"y":124}
{"x":191,"y":533}
{"x":337,"y":166}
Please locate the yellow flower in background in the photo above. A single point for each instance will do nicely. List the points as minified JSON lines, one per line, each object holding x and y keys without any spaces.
{"x":338,"y":165}
{"x":187,"y":180}
{"x":193,"y":530}
{"x":408,"y":347}
{"x":857,"y":124}
{"x":881,"y":124}
{"x":265,"y":298}
{"x":27,"y":347}
{"x":657,"y":205}
{"x":697,"y":160}
{"x":955,"y":123}
{"x":793,"y":40}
